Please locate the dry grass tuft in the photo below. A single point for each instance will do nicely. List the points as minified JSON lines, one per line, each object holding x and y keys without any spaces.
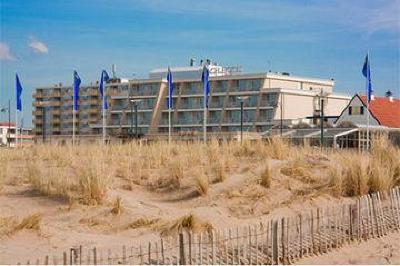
{"x":117,"y":207}
{"x":355,"y":174}
{"x":278,"y":148}
{"x":185,"y":223}
{"x":299,"y":169}
{"x":219,"y":171}
{"x":31,"y":222}
{"x":142,"y":222}
{"x":202,"y":184}
{"x":266,"y":176}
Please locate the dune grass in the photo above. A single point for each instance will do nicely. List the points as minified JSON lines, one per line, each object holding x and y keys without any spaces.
{"x":85,"y":173}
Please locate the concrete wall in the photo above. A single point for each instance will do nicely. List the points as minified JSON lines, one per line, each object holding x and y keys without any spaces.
{"x":298,"y":85}
{"x":335,"y":106}
{"x":294,"y":106}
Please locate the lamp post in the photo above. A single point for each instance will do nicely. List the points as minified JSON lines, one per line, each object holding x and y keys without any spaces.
{"x":242,"y":99}
{"x":134,"y":104}
{"x":321,"y":116}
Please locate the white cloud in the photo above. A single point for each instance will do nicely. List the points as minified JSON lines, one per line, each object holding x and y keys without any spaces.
{"x":5,"y":52}
{"x":38,"y":46}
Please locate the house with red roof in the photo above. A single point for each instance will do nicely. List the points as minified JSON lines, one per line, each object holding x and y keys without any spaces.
{"x":384,"y":112}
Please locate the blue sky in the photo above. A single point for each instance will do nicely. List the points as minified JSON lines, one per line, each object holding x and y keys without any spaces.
{"x":45,"y":40}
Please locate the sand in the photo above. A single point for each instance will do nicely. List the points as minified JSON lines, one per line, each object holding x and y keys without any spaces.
{"x":385,"y":250}
{"x":237,"y":201}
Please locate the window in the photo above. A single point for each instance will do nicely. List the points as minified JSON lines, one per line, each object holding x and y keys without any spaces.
{"x":356,"y":110}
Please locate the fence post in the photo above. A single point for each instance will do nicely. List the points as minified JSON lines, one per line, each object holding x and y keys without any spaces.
{"x":384,"y":222}
{"x":190,"y":247}
{"x":64,"y":258}
{"x":46,"y":260}
{"x":149,"y":253}
{"x":312,"y":232}
{"x":94,"y":256}
{"x":80,"y":255}
{"x":267,"y":243}
{"x":319,"y":230}
{"x":249,"y":230}
{"x":182,"y":260}
{"x":141,"y":254}
{"x":301,"y":234}
{"x":371,"y":214}
{"x":162,"y":251}
{"x":275,"y":250}
{"x":288,"y":240}
{"x":200,"y":249}
{"x":397,"y":200}
{"x":374,"y":209}
{"x":231,"y":247}
{"x":211,"y":237}
{"x":238,"y":245}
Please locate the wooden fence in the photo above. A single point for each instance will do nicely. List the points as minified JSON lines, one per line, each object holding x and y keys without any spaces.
{"x":276,"y":241}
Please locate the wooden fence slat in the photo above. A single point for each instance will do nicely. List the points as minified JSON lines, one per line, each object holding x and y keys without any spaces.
{"x":250,"y":244}
{"x":287,"y":240}
{"x":94,"y":256}
{"x":140,"y":253}
{"x":301,"y":235}
{"x":238,"y":245}
{"x":200,"y":249}
{"x":230,"y":246}
{"x":312,"y":232}
{"x":162,"y":251}
{"x":275,"y":248}
{"x":397,"y":200}
{"x":64,"y":258}
{"x":212,"y":248}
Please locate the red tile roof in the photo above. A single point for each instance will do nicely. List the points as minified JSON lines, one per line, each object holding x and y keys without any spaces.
{"x":5,"y":124}
{"x":385,"y":111}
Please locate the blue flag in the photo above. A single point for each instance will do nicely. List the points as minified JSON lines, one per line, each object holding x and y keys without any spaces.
{"x":18,"y":90}
{"x":77,"y":83}
{"x":206,"y":84}
{"x":170,"y":88}
{"x":104,"y":78}
{"x":366,"y":71}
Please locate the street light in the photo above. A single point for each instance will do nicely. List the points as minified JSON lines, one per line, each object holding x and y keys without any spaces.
{"x":242,"y":99}
{"x":322,"y":116}
{"x":134,"y":103}
{"x":3,"y":110}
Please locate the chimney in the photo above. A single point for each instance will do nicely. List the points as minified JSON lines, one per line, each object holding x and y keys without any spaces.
{"x":389,"y":95}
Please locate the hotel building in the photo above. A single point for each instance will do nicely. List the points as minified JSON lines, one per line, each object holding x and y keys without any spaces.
{"x":270,"y":99}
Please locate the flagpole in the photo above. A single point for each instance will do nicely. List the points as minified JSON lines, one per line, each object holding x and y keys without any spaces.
{"x":205,"y":117}
{"x":16,"y":128}
{"x":73,"y":113}
{"x":169,"y":82}
{"x":169,"y":125}
{"x":368,"y":97}
{"x":104,"y":115}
